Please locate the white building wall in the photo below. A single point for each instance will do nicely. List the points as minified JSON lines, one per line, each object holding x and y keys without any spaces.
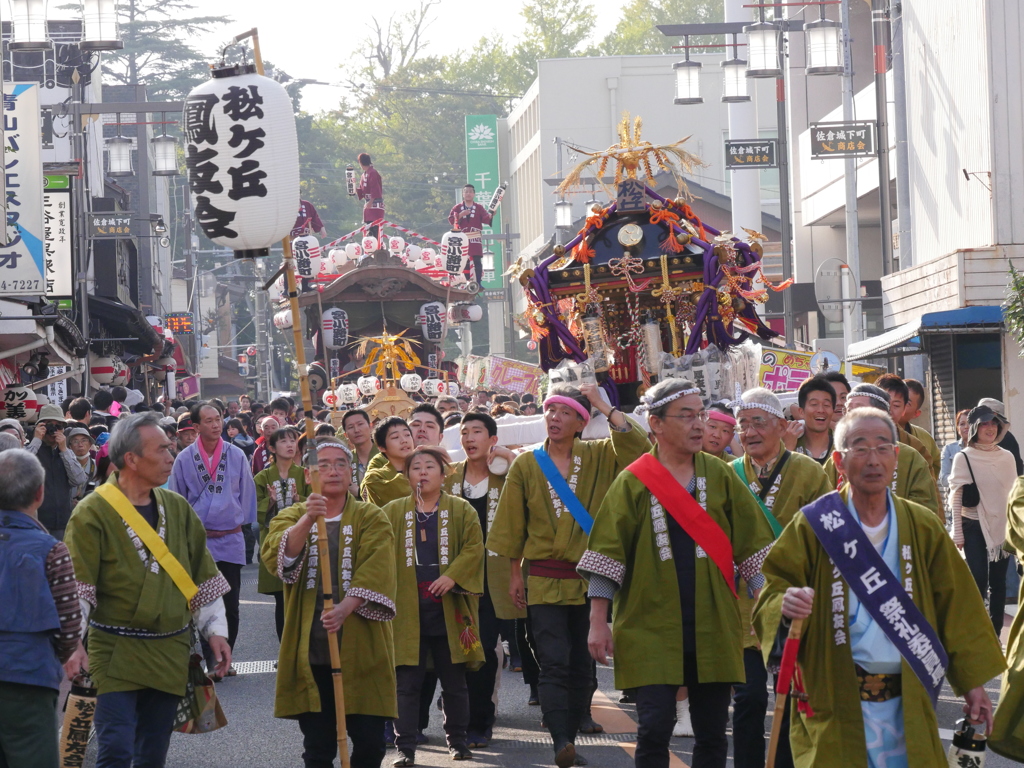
{"x":1006,"y":88}
{"x":950,"y":124}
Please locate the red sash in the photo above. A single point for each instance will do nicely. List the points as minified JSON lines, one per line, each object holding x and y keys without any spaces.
{"x":685,"y":510}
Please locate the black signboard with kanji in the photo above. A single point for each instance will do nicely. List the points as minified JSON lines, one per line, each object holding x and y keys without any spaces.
{"x":179,"y":322}
{"x":110,"y":225}
{"x":842,"y":140}
{"x":631,"y":197}
{"x":759,"y":153}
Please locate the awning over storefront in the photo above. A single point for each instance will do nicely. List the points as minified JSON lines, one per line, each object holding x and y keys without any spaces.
{"x":127,"y":322}
{"x":906,"y":338}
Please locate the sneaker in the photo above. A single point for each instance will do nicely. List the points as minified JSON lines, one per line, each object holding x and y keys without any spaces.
{"x":581,"y":760}
{"x":405,"y":758}
{"x":475,"y":740}
{"x":460,"y":752}
{"x":684,"y":727}
{"x":516,"y":664}
{"x":389,"y":734}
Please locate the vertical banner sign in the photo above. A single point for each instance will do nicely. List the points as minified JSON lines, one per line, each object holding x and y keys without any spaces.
{"x":57,"y":237}
{"x":482,"y":171}
{"x":22,"y":266}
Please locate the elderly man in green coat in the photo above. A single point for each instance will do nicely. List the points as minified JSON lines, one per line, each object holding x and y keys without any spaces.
{"x":361,"y":545}
{"x":888,"y":608}
{"x":671,"y":533}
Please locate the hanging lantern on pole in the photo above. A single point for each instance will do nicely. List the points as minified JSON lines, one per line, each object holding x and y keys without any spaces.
{"x":350,"y":180}
{"x":410,"y":382}
{"x":453,"y":386}
{"x":465,"y":312}
{"x":431,"y":321}
{"x":334,"y":323}
{"x":306,"y":250}
{"x":19,"y":403}
{"x":454,"y":251}
{"x":348,"y":393}
{"x":283,"y":319}
{"x":368,"y":385}
{"x":433,"y":387}
{"x":243,"y":160}
{"x":396,"y":245}
{"x":369,"y":244}
{"x":102,"y":369}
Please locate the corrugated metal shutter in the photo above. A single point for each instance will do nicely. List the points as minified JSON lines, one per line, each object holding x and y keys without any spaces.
{"x":942,"y":383}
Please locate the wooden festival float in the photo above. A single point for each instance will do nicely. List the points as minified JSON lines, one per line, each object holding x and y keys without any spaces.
{"x":646,"y":290}
{"x":380,"y":308}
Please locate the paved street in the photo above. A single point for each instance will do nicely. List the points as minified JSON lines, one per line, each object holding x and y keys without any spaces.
{"x":255,"y":739}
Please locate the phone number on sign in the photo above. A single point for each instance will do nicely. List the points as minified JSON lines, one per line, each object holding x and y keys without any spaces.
{"x":20,"y":285}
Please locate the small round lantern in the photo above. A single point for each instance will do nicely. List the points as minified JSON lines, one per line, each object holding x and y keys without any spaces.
{"x":19,"y":403}
{"x":369,"y":244}
{"x":410,"y":382}
{"x":102,"y":369}
{"x":368,"y":385}
{"x":433,"y":387}
{"x":348,"y":393}
{"x":283,"y":320}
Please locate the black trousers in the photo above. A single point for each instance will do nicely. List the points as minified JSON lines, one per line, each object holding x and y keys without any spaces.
{"x":233,"y":573}
{"x":475,"y":270}
{"x":524,"y":640}
{"x":320,"y":730}
{"x":481,"y":682}
{"x":990,"y":577}
{"x":784,"y":752}
{"x":279,"y":614}
{"x":453,"y":694}
{"x":566,"y":669}
{"x":750,"y":705}
{"x":709,"y":713}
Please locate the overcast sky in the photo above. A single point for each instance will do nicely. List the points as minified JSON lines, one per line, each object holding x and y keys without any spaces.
{"x":313,"y":44}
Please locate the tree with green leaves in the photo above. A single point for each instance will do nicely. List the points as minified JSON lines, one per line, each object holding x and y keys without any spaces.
{"x":158,"y":51}
{"x":637,"y":30}
{"x":1013,"y":307}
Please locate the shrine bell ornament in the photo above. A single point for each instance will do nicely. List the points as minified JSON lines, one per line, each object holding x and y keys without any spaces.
{"x":242,"y":156}
{"x":431,"y":320}
{"x":307,"y":255}
{"x":334,"y":323}
{"x":19,"y":403}
{"x":455,"y":251}
{"x":410,"y":382}
{"x":368,"y":385}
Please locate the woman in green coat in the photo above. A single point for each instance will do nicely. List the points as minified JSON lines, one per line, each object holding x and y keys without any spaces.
{"x":439,"y":553}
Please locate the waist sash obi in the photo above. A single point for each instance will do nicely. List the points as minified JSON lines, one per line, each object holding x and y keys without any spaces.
{"x":553,"y":569}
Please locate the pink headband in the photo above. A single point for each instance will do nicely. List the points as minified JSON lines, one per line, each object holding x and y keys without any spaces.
{"x":723,"y":417}
{"x":568,"y":401}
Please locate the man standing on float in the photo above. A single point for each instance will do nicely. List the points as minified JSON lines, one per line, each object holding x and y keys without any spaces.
{"x":471,"y":217}
{"x":544,"y":516}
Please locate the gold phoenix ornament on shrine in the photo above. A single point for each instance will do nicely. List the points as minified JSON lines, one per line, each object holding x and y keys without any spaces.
{"x":390,"y":352}
{"x":633,"y":156}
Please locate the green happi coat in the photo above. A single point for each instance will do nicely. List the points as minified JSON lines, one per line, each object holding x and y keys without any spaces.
{"x":127,"y":588}
{"x":801,"y":481}
{"x":1007,"y":737}
{"x":943,"y":589}
{"x":499,"y":569}
{"x":384,"y":484}
{"x":931,"y":449}
{"x":647,"y":623}
{"x":267,"y":509}
{"x":463,"y":562}
{"x":526,"y":523}
{"x":367,"y":650}
{"x":913,"y":480}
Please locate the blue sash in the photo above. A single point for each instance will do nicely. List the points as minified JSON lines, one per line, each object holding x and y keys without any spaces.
{"x":554,"y":477}
{"x":878,"y":590}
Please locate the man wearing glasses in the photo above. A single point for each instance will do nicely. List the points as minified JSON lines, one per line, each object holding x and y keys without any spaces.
{"x":782,"y":481}
{"x":889,"y":609}
{"x":911,"y":479}
{"x":669,"y":535}
{"x":362,"y":559}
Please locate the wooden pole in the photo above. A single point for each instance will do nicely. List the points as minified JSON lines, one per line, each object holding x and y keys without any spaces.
{"x":781,"y":699}
{"x":311,"y":464}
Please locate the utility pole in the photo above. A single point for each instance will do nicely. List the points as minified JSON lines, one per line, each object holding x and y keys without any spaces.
{"x":853,"y":322}
{"x":899,"y":86}
{"x":881,"y":34}
{"x":785,"y":207}
{"x":506,"y":238}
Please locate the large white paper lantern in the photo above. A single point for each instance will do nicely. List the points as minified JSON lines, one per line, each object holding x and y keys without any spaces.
{"x":433,"y":387}
{"x":102,"y":369}
{"x":431,"y":320}
{"x":410,"y":382}
{"x":465,"y":312}
{"x":369,"y":244}
{"x":283,"y":320}
{"x":453,"y":387}
{"x":348,"y":393}
{"x":353,"y":251}
{"x":19,"y":403}
{"x":243,"y":160}
{"x":306,"y":252}
{"x":396,"y":245}
{"x":455,"y":251}
{"x":334,"y":323}
{"x":121,"y":373}
{"x":368,"y":385}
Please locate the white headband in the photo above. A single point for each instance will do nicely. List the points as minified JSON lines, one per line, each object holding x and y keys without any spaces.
{"x":873,"y":395}
{"x":647,"y":404}
{"x":740,"y":405}
{"x":322,"y":446}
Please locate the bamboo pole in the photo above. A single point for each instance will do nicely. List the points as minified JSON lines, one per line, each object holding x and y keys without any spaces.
{"x":781,"y":699}
{"x":311,"y":464}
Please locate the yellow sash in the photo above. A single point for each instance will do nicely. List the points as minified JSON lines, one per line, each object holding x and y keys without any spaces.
{"x":115,"y":497}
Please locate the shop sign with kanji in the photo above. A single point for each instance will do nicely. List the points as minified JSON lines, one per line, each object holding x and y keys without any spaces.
{"x":842,"y":140}
{"x":110,"y":225}
{"x":759,"y":153}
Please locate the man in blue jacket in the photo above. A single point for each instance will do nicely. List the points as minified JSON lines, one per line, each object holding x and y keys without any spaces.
{"x":41,"y":621}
